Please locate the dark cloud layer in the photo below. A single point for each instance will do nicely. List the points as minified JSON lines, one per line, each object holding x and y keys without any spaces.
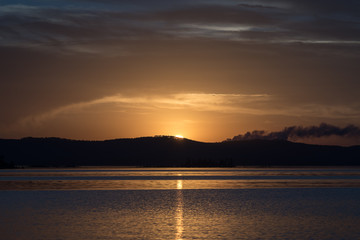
{"x":302,"y":21}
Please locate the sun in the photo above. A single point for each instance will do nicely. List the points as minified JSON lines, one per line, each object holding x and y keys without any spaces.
{"x":179,"y":136}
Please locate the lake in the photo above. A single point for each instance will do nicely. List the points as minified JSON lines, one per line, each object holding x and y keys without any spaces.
{"x":180,"y":203}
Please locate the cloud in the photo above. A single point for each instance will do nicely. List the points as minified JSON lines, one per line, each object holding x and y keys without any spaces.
{"x":248,"y":104}
{"x":225,"y":103}
{"x":71,"y":29}
{"x":296,"y":132}
{"x":88,"y":26}
{"x":350,"y":7}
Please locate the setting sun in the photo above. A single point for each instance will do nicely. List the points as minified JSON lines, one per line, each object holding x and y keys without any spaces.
{"x":193,"y":119}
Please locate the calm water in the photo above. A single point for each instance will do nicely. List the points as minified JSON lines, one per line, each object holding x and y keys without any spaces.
{"x":118,"y":203}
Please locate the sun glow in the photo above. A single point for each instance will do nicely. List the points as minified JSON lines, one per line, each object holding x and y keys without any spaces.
{"x":179,"y":136}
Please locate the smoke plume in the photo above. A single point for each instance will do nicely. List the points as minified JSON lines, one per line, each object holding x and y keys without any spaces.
{"x":296,"y":132}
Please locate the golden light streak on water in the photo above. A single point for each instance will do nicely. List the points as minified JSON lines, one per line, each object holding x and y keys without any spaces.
{"x":179,"y":216}
{"x":179,"y":184}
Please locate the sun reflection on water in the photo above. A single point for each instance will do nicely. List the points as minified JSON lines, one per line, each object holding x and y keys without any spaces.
{"x":179,"y":184}
{"x":179,"y":211}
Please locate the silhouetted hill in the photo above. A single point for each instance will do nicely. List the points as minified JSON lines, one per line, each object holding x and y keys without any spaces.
{"x":171,"y":151}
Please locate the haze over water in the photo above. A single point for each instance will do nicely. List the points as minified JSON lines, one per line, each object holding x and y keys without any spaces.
{"x":135,"y":203}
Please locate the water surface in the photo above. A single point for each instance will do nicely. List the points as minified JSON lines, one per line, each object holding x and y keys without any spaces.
{"x":167,"y":178}
{"x":118,"y":203}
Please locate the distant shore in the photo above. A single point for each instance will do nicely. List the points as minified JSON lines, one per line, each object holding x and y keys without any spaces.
{"x":165,"y":151}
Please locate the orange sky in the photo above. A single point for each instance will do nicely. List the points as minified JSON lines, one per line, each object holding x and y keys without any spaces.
{"x":208,"y":70}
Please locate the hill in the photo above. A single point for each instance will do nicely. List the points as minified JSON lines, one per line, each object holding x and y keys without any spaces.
{"x":169,"y":151}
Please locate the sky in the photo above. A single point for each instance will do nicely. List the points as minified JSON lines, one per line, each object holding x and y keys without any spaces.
{"x":205,"y":69}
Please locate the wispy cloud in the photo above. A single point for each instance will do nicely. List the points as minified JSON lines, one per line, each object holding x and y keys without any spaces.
{"x":225,"y":103}
{"x":248,"y":104}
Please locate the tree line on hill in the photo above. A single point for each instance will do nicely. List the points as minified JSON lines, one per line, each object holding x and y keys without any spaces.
{"x":167,"y":151}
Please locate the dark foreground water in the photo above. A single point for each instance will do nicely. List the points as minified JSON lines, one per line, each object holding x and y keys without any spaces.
{"x":180,"y":204}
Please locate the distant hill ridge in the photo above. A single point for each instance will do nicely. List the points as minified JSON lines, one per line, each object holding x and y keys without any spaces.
{"x":169,"y":151}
